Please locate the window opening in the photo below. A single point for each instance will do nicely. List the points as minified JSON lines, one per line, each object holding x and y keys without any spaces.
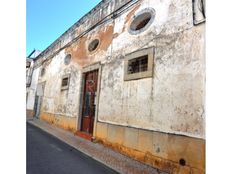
{"x":140,"y":21}
{"x":137,"y":65}
{"x":67,"y":59}
{"x":65,"y":82}
{"x":93,"y":45}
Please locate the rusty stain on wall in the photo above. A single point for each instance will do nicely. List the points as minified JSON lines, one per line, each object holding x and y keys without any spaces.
{"x":66,"y":123}
{"x":79,"y":50}
{"x":106,"y":36}
{"x":165,"y":152}
{"x":152,"y":160}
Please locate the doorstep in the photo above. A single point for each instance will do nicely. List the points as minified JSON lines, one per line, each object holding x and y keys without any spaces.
{"x":84,"y":135}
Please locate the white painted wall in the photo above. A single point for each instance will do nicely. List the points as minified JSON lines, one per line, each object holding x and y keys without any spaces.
{"x":32,"y":89}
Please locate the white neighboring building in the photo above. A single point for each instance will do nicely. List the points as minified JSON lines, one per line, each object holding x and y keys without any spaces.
{"x":31,"y":82}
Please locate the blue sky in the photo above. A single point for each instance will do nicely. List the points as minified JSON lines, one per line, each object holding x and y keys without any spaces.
{"x":48,"y":19}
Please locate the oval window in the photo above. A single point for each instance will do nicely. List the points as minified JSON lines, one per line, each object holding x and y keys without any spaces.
{"x":93,"y":45}
{"x":141,"y":21}
{"x":67,"y":59}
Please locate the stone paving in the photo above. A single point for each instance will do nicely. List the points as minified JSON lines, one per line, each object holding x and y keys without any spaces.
{"x":116,"y":161}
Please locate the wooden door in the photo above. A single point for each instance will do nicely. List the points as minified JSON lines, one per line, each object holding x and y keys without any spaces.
{"x":89,"y":101}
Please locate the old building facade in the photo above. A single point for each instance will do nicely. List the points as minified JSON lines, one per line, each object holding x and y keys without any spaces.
{"x":131,"y":75}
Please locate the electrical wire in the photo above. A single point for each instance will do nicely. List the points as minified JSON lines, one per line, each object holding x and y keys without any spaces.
{"x":111,"y":16}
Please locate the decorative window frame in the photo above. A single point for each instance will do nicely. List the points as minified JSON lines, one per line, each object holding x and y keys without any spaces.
{"x":96,"y":49}
{"x":67,"y":86}
{"x":146,"y":10}
{"x":145,"y":74}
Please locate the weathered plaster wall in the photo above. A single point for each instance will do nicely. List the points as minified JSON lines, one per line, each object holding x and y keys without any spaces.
{"x":173,"y":100}
{"x":79,"y":50}
{"x":146,"y":118}
{"x":55,"y":100}
{"x":61,"y":107}
{"x":66,"y":103}
{"x":160,"y":150}
{"x":170,"y":17}
{"x":68,"y":123}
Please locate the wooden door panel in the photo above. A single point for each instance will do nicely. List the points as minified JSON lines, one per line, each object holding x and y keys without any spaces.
{"x":90,"y":89}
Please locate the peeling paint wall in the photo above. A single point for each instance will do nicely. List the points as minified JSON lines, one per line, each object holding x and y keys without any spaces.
{"x":57,"y":101}
{"x":172,"y":101}
{"x":169,"y":104}
{"x":79,"y":50}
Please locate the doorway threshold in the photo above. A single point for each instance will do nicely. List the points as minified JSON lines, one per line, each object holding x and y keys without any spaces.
{"x":84,"y":135}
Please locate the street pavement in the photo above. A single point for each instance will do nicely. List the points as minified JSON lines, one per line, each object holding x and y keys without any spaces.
{"x":48,"y":155}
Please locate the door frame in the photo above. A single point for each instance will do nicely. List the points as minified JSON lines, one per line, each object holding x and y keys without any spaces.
{"x":89,"y":68}
{"x":39,"y":103}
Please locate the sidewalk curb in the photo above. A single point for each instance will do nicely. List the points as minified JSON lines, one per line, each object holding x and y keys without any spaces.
{"x":89,"y":155}
{"x":84,"y":153}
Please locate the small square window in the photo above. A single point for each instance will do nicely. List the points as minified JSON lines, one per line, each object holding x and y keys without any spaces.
{"x":65,"y":82}
{"x":139,"y":64}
